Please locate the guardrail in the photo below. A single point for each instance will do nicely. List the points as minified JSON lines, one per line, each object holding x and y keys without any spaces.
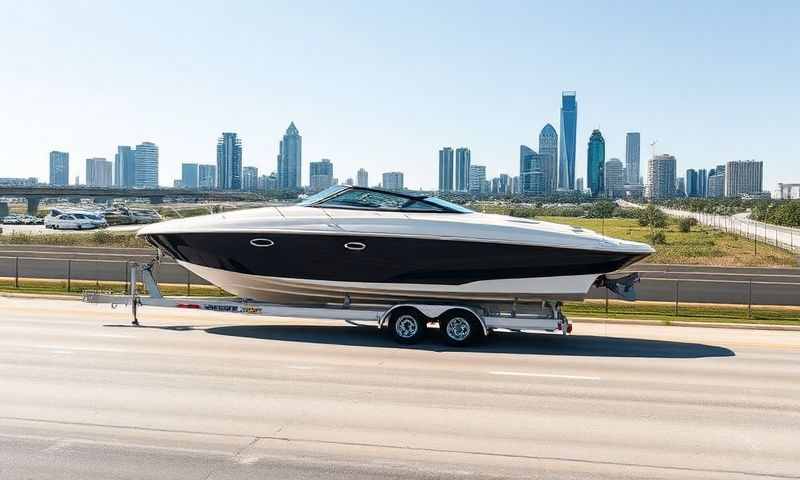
{"x":74,"y":274}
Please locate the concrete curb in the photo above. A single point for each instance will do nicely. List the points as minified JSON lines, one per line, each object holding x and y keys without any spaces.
{"x":679,"y":323}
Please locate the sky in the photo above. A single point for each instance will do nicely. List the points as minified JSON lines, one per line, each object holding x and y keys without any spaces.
{"x":384,"y":85}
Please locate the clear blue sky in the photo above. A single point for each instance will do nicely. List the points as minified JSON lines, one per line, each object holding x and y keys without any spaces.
{"x":384,"y":85}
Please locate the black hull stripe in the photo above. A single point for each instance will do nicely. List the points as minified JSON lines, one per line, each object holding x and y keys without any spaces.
{"x":384,"y":259}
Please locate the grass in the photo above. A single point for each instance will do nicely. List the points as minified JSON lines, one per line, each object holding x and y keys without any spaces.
{"x":96,"y":238}
{"x":78,"y":287}
{"x":701,"y":246}
{"x":665,"y":312}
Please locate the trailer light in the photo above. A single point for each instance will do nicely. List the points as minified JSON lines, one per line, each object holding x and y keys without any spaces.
{"x":187,"y":305}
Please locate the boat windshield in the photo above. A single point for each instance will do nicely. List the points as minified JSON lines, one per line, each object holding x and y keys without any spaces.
{"x":368,"y":199}
{"x":313,"y":199}
{"x":449,"y":205}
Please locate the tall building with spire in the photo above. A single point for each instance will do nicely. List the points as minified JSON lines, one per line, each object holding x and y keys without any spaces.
{"x":290,"y":159}
{"x":632,"y":156}
{"x":548,"y":146}
{"x":446,"y":169}
{"x":569,"y":125}
{"x":229,"y":162}
{"x":595,"y":163}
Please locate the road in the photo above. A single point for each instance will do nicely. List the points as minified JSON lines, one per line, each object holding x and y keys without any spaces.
{"x":741,"y":224}
{"x":201,"y":395}
{"x":771,"y":286}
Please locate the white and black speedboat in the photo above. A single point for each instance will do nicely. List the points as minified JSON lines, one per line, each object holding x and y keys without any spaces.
{"x":367,"y":245}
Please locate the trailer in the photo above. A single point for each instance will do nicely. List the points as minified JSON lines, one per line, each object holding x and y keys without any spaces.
{"x":407,"y":322}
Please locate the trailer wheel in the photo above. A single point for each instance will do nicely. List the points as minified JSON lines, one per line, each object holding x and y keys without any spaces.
{"x":408,"y":325}
{"x":460,"y":327}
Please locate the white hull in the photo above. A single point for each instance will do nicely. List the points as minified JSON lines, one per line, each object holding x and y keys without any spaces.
{"x":295,"y":291}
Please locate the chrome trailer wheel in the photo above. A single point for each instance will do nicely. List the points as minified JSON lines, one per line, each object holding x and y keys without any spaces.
{"x":407,"y":325}
{"x":460,"y":327}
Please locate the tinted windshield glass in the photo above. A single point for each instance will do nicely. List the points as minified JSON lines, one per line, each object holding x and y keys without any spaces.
{"x":323,"y":194}
{"x":368,"y":199}
{"x":448,"y":205}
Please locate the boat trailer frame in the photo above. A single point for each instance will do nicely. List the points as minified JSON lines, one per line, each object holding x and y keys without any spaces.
{"x":549,"y":317}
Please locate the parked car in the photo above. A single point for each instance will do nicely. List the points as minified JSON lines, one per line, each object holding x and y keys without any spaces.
{"x":12,"y":220}
{"x":73,"y":221}
{"x":50,"y":218}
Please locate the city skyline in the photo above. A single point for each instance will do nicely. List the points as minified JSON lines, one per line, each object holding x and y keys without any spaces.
{"x":134,"y":88}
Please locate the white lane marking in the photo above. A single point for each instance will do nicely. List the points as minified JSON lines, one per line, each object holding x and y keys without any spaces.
{"x":544,"y":375}
{"x":300,"y":367}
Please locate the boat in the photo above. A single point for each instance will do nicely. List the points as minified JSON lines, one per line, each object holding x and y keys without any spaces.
{"x":354,"y":244}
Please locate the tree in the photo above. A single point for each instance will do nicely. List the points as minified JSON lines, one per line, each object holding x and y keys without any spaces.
{"x":602,"y":209}
{"x":654,"y":218}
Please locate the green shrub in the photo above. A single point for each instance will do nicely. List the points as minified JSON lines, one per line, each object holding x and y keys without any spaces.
{"x":685,"y":224}
{"x":657,"y":238}
{"x":652,"y":217}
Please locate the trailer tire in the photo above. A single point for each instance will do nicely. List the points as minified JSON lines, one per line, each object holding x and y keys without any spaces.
{"x":407,"y":325}
{"x":460,"y":327}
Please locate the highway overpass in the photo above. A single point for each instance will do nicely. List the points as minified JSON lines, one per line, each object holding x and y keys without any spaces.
{"x":34,"y":195}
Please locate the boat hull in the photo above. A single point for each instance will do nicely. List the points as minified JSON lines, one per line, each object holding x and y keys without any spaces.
{"x":310,"y":268}
{"x":306,"y":291}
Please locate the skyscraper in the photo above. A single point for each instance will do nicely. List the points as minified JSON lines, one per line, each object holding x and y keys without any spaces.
{"x":125,"y":167}
{"x":393,"y":181}
{"x":680,"y":187}
{"x":632,"y":155}
{"x":463,"y":160}
{"x":692,"y":183}
{"x":531,"y":175}
{"x":290,"y":159}
{"x":702,"y":182}
{"x":59,"y":168}
{"x":362,"y":178}
{"x":716,"y":185}
{"x":569,"y":125}
{"x":595,"y":163}
{"x":477,"y":178}
{"x":146,"y":160}
{"x":207,"y":177}
{"x":446,"y":169}
{"x":320,"y":175}
{"x":249,"y":179}
{"x":743,"y":177}
{"x":615,"y":178}
{"x":229,"y":162}
{"x":661,"y":181}
{"x":98,"y":172}
{"x":548,"y":146}
{"x":189,"y":175}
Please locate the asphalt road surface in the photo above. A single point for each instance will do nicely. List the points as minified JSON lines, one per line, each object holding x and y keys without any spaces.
{"x":201,"y":395}
{"x":771,"y":286}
